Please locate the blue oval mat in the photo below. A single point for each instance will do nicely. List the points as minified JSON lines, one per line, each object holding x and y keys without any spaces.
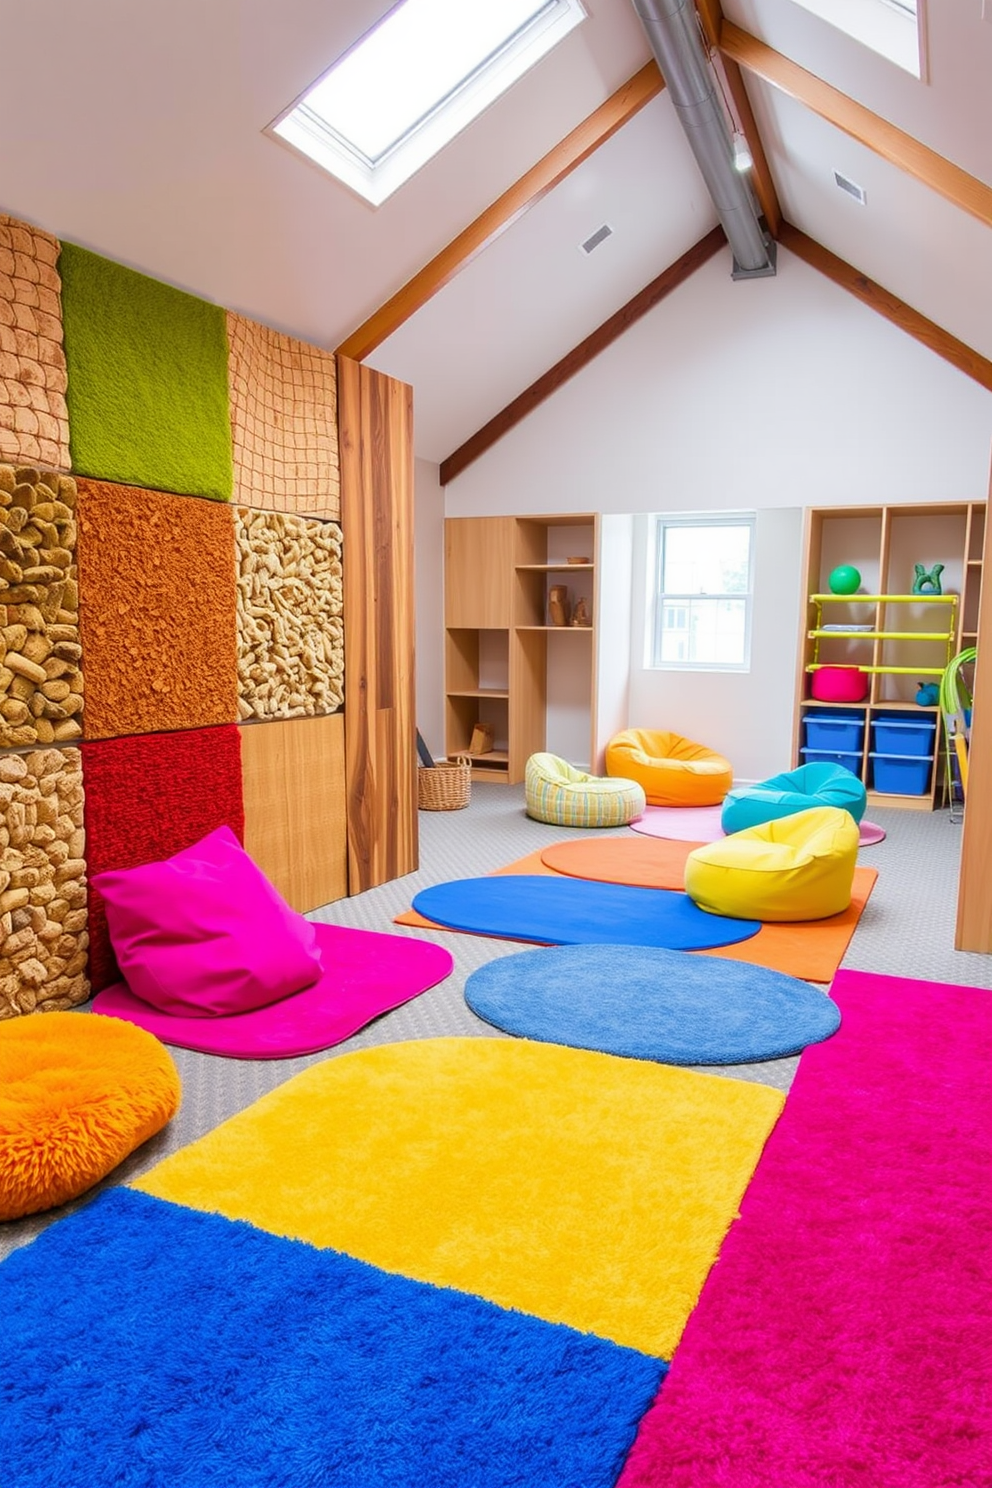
{"x":576,"y":911}
{"x":651,"y":1004}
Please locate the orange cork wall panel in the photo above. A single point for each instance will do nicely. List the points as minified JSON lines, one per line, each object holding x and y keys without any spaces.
{"x":157,"y":610}
{"x":283,"y":421}
{"x":34,"y":423}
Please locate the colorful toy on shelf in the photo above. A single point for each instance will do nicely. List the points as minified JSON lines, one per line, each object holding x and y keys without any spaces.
{"x":927,"y":580}
{"x":955,"y":705}
{"x":845,"y":579}
{"x":927,"y":694}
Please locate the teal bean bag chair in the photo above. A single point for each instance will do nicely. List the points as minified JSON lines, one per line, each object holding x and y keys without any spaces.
{"x":795,"y":790}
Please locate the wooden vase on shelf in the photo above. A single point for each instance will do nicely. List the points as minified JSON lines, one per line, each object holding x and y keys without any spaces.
{"x":482,"y":739}
{"x":580,"y":615}
{"x":558,"y":606}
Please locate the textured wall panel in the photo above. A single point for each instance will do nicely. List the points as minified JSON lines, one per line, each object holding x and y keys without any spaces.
{"x":34,"y":422}
{"x":149,"y":797}
{"x":43,"y":916}
{"x":283,"y":421}
{"x":147,"y":369}
{"x":290,"y":626}
{"x":295,"y":817}
{"x":157,"y":610}
{"x":41,"y":685}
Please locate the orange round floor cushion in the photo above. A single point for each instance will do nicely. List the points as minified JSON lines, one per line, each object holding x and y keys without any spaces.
{"x":77,"y":1094}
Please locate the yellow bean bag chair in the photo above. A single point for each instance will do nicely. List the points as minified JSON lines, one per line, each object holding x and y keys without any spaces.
{"x":797,"y":867}
{"x":673,"y":771}
{"x":557,"y":792}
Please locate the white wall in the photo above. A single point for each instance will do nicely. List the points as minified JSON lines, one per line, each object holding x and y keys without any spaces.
{"x":769,"y":395}
{"x":428,"y":560}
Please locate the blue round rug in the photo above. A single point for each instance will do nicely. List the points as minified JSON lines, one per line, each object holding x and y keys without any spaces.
{"x":651,"y":1004}
{"x":577,"y":911}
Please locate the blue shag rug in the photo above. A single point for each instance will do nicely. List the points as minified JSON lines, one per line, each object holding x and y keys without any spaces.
{"x":146,"y":1345}
{"x":577,"y":911}
{"x":651,"y":1004}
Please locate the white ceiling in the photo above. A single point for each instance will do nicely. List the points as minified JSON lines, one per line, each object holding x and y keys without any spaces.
{"x":136,"y":129}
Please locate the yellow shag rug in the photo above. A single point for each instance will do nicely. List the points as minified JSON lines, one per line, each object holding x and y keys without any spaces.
{"x":579,"y":1187}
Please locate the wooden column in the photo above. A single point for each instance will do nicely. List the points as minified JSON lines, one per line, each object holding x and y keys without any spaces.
{"x":974,"y":925}
{"x":375,"y":427}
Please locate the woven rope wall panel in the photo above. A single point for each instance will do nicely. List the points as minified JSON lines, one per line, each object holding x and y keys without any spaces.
{"x":41,"y":685}
{"x":157,"y":610}
{"x":150,"y":796}
{"x":283,"y":421}
{"x":43,"y":911}
{"x":290,"y":615}
{"x":34,"y":423}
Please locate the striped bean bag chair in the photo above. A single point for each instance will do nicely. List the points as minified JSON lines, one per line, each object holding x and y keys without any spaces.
{"x":565,"y":797}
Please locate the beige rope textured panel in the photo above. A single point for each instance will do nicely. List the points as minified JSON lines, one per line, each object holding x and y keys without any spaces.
{"x":34,"y":422}
{"x":43,"y":934}
{"x":290,"y":615}
{"x":283,"y":421}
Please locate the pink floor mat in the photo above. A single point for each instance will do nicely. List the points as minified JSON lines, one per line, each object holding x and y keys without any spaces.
{"x":844,"y":1337}
{"x":366,"y":974}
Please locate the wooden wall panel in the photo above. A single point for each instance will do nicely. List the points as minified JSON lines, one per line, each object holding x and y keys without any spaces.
{"x":295,"y":818}
{"x":974,"y":924}
{"x":375,"y":427}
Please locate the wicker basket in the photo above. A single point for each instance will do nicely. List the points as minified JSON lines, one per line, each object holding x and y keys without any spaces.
{"x":445,"y":786}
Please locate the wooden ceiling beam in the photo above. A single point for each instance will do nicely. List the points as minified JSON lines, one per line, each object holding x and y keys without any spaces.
{"x":581,"y":355}
{"x":869,"y":129}
{"x":566,"y":157}
{"x":964,"y":357}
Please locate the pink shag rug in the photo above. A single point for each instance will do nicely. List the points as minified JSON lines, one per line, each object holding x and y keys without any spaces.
{"x":844,"y":1337}
{"x":702,"y":824}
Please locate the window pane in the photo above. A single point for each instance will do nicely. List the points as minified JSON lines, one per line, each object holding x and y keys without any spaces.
{"x":712,"y":633}
{"x":706,"y":560}
{"x":406,"y":66}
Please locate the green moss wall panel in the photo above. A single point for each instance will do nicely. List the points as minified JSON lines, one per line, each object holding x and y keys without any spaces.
{"x":147,"y":379}
{"x":157,"y":610}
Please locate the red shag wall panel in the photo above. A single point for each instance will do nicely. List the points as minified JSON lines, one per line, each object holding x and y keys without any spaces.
{"x":149,"y":796}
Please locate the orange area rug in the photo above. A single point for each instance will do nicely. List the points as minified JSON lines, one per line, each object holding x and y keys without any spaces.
{"x":810,"y":949}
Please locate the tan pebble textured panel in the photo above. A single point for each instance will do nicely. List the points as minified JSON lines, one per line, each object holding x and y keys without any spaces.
{"x":290,"y":616}
{"x":157,"y":610}
{"x":283,"y":421}
{"x":34,"y":422}
{"x":41,"y":685}
{"x":43,"y":935}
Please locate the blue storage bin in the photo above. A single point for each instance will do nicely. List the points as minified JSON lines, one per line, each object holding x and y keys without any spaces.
{"x":900,"y":774}
{"x":850,"y":762}
{"x":835,"y":732}
{"x":901,"y":736}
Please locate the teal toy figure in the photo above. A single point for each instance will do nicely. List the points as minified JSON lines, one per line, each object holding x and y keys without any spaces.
{"x":928,"y":694}
{"x":927,"y":581}
{"x":844,"y":580}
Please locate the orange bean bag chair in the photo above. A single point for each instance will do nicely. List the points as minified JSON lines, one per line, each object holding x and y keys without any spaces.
{"x":673,"y":771}
{"x":77,"y":1094}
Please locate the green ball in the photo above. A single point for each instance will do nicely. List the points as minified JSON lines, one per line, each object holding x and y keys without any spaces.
{"x":844,"y":580}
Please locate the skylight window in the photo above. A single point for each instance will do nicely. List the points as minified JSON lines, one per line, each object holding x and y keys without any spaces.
{"x":414,"y":81}
{"x":893,"y":28}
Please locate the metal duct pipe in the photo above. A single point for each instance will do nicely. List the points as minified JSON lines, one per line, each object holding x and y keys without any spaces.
{"x":673,"y":33}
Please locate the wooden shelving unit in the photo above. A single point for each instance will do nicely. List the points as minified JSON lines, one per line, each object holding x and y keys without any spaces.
{"x":909,"y":638}
{"x":505,"y":664}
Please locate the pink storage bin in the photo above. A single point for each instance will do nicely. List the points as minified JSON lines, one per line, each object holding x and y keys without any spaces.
{"x":839,"y":684}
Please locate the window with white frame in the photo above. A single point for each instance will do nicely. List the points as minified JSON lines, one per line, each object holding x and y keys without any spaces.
{"x":406,"y":88}
{"x":701,"y":616}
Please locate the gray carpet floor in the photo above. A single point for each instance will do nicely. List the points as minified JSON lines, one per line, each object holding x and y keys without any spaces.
{"x":907,"y":929}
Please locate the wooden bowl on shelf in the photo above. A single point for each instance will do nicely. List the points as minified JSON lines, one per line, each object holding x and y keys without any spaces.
{"x":576,"y":560}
